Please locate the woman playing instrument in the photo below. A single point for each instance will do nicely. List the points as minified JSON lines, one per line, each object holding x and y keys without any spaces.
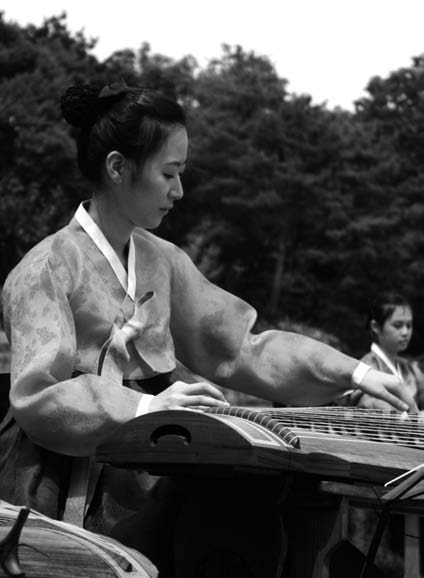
{"x":98,"y":314}
{"x":390,"y":322}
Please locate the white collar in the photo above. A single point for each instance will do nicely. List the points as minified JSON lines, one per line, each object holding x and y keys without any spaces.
{"x":126,"y":280}
{"x":380,"y":353}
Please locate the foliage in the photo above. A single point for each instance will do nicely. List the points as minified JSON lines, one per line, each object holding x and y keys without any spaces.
{"x":38,"y":181}
{"x":304,"y":212}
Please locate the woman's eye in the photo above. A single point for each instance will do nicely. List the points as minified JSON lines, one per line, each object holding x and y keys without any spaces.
{"x":169,"y":177}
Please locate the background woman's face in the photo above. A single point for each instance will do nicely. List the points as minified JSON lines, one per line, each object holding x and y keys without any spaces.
{"x":396,"y":332}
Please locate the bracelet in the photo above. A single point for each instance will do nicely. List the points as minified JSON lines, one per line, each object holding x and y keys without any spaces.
{"x":360,"y":372}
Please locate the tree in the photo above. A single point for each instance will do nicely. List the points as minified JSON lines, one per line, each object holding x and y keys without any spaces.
{"x":261,"y":173}
{"x":302,"y":211}
{"x":393,"y":215}
{"x":39,"y":184}
{"x":229,"y":175}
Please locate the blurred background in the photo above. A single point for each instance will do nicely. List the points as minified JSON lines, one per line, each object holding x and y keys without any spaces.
{"x":303,"y":204}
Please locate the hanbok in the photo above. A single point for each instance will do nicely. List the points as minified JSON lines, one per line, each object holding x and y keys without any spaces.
{"x":89,"y":338}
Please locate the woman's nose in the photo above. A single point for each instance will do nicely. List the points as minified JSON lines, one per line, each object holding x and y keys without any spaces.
{"x":177,"y":191}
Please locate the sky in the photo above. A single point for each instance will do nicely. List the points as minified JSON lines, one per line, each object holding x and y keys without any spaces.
{"x":329,"y":49}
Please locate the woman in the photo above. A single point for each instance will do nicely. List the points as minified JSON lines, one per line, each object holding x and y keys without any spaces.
{"x":390,"y":322}
{"x":103,"y":303}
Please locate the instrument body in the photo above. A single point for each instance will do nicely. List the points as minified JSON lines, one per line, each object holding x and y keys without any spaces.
{"x":49,"y":548}
{"x":251,"y":483}
{"x":170,"y":441}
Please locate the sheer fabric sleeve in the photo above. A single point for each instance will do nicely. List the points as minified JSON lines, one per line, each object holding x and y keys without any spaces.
{"x":62,"y":413}
{"x":212,"y":330}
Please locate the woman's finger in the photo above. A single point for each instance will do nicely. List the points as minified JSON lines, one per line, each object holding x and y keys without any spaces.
{"x":200,"y":387}
{"x":367,"y":401}
{"x":202,"y":400}
{"x":395,"y":401}
{"x":388,"y":388}
{"x":401,"y":394}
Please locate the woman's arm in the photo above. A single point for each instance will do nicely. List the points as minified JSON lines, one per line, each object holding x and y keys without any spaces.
{"x":65,"y":414}
{"x":212,"y":330}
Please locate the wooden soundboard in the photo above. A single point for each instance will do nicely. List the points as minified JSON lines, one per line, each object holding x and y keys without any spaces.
{"x":172,"y":441}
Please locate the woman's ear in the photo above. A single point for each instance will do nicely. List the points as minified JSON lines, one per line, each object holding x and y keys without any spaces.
{"x":114,"y":165}
{"x":374,"y":326}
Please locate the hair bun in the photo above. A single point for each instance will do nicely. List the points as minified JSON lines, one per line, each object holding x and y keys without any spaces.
{"x":79,"y":105}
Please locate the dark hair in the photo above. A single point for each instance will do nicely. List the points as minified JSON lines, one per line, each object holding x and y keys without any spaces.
{"x":384,"y":305}
{"x":132,"y":120}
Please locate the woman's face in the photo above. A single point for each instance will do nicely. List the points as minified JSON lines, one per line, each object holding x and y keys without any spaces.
{"x":146,"y":197}
{"x":396,"y":332}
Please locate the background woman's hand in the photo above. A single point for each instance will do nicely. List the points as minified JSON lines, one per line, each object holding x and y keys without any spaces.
{"x":181,"y":395}
{"x":389,"y":389}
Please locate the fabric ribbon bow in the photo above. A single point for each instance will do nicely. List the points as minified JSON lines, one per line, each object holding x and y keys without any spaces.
{"x":149,"y":336}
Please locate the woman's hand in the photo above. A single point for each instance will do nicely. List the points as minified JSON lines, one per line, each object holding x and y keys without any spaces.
{"x":387,"y":388}
{"x":182,"y":395}
{"x":367,"y":401}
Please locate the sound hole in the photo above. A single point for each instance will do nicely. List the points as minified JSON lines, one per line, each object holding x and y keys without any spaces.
{"x":170,"y":430}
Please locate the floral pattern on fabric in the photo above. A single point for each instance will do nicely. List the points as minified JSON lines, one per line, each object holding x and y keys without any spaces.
{"x":67,"y":314}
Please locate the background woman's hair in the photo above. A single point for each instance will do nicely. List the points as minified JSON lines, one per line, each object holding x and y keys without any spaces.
{"x":384,"y":305}
{"x":132,"y":120}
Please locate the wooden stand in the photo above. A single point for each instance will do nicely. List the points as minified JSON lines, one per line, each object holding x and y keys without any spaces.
{"x":316,"y":524}
{"x":253,"y":527}
{"x":364,"y":496}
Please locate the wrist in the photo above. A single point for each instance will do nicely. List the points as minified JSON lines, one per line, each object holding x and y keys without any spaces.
{"x":359,"y":374}
{"x":144,"y":404}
